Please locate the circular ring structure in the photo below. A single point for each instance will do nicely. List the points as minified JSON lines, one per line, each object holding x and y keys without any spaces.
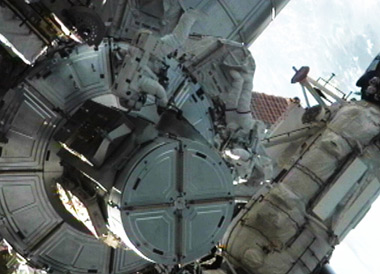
{"x":174,"y":203}
{"x":29,"y":219}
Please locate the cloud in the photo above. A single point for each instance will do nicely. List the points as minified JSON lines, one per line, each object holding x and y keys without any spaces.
{"x":322,"y":34}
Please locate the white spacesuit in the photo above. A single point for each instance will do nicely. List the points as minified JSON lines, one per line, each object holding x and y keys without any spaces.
{"x":144,"y":58}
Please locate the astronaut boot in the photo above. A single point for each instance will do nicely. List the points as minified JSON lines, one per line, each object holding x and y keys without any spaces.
{"x":245,"y":121}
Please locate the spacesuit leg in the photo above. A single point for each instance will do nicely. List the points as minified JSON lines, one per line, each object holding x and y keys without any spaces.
{"x":233,"y":99}
{"x":245,"y":119}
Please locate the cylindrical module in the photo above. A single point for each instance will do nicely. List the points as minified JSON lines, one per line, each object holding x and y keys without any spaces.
{"x":173,"y":202}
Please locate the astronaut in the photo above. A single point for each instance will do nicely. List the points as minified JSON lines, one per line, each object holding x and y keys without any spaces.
{"x":242,"y":129}
{"x":241,"y":68}
{"x":138,"y":76}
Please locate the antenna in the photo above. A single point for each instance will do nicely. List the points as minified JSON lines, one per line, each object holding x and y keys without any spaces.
{"x":327,"y":82}
{"x":317,"y":90}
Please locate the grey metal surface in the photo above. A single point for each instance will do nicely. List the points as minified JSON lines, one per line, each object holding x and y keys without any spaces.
{"x":66,"y":82}
{"x":27,"y":217}
{"x":358,"y":209}
{"x":29,"y":167}
{"x":68,"y":250}
{"x":196,"y":108}
{"x":152,"y":15}
{"x":327,"y":204}
{"x":127,"y":262}
{"x":242,"y":20}
{"x":174,"y":202}
{"x":32,"y":125}
{"x":19,"y":35}
{"x":239,"y":20}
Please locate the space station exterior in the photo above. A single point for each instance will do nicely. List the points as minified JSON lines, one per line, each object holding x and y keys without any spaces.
{"x":140,"y":110}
